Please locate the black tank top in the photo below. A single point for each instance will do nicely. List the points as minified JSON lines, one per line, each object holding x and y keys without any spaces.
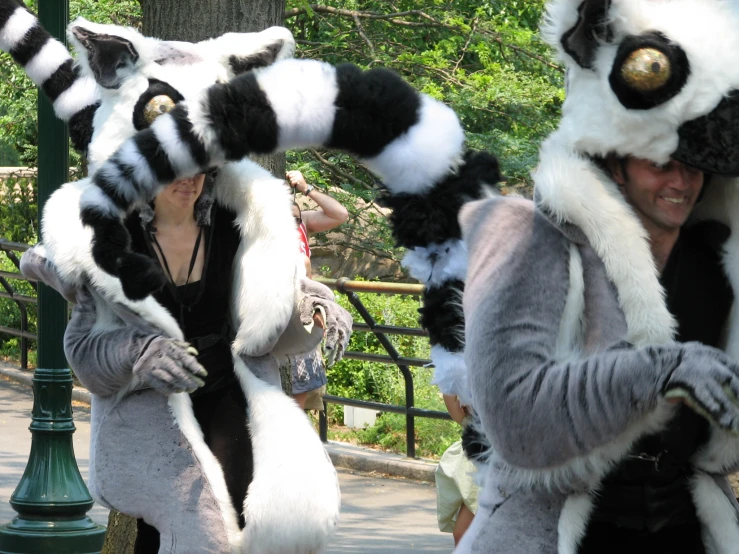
{"x":202,"y":308}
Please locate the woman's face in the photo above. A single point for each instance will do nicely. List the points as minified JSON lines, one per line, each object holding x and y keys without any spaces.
{"x":184,"y":192}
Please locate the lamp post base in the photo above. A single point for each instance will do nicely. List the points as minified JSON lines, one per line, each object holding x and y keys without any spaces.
{"x":28,"y":536}
{"x":51,"y":498}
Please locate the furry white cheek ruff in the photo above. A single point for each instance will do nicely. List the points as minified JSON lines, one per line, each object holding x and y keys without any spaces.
{"x":293,"y":503}
{"x":265,"y":284}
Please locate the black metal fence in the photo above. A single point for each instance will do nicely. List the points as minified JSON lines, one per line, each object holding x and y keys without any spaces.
{"x":349,"y":289}
{"x":11,"y":251}
{"x":344,"y":286}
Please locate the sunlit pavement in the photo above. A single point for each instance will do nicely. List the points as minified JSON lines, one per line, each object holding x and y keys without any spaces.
{"x":378,"y":515}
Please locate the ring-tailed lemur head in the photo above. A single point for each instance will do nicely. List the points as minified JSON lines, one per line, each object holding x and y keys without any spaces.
{"x":142,"y":77}
{"x":650,"y":78}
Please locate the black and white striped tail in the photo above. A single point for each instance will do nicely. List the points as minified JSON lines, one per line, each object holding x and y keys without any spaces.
{"x":50,"y":66}
{"x":427,"y":225}
{"x":413,"y":143}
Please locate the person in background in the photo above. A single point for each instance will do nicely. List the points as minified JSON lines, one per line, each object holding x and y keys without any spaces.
{"x":330,"y":213}
{"x":456,"y":489}
{"x":308,"y":373}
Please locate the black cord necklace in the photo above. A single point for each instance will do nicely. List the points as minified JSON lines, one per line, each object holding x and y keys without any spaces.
{"x":178,"y":291}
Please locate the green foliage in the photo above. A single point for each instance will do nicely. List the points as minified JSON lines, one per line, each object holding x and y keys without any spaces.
{"x":18,"y":211}
{"x":482,"y":58}
{"x":18,"y":121}
{"x":384,"y":382}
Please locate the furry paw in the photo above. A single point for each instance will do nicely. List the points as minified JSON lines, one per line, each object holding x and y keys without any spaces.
{"x":139,"y":275}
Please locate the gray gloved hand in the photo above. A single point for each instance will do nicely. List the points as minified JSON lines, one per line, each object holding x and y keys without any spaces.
{"x":707,"y":381}
{"x":318,"y":297}
{"x":169,"y":366}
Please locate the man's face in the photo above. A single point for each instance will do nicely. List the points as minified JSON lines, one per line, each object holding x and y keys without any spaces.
{"x":663,"y":196}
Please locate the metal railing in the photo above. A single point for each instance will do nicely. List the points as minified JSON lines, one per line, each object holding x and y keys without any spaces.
{"x":343,"y":286}
{"x":11,"y":249}
{"x":349,"y":289}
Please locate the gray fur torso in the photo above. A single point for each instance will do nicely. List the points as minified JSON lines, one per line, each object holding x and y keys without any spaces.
{"x":554,"y":339}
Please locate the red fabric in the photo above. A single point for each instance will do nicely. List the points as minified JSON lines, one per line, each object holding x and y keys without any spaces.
{"x":303,"y":240}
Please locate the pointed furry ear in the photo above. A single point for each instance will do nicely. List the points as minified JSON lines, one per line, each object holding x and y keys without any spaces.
{"x":268,"y":56}
{"x":242,"y":52}
{"x":107,"y":55}
{"x":581,"y":42}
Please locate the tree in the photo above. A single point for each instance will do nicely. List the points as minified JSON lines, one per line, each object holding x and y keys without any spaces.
{"x":484,"y":58}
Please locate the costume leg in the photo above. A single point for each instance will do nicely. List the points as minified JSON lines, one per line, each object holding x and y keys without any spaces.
{"x":504,"y":525}
{"x":146,"y":468}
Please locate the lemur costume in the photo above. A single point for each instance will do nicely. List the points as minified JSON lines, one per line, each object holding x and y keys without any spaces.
{"x":571,"y":330}
{"x":149,"y":457}
{"x":569,"y":341}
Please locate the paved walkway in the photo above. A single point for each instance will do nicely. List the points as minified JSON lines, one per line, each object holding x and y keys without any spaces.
{"x":379,"y":515}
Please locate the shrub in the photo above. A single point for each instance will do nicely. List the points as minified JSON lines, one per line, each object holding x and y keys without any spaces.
{"x":18,"y":217}
{"x":384,"y":382}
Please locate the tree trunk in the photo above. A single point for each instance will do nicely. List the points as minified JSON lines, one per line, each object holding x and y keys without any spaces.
{"x":121,"y":534}
{"x":193,"y":21}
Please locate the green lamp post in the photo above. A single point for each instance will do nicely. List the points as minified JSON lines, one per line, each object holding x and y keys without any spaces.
{"x":51,"y":498}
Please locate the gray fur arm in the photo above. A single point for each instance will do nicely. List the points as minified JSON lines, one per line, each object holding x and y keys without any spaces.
{"x":303,"y":336}
{"x":109,"y":359}
{"x":541,"y":413}
{"x":35,"y":266}
{"x":111,"y":356}
{"x":101,"y":360}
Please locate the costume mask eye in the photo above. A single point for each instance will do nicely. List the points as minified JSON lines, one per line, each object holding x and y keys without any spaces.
{"x":158,"y":99}
{"x":157,"y":106}
{"x":646,"y":70}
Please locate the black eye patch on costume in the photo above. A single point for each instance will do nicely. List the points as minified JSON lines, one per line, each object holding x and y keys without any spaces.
{"x":711,"y":142}
{"x":648,"y":71}
{"x":159,"y":98}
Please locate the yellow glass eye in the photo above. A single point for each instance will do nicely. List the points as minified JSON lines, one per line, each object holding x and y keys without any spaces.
{"x":157,"y":106}
{"x":646,"y":69}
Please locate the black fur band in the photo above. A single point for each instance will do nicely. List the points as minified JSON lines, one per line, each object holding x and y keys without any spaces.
{"x":431,"y":218}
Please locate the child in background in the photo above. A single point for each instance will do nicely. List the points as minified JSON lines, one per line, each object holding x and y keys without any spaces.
{"x":456,"y":489}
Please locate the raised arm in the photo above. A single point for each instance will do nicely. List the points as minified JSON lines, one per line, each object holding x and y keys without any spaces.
{"x":546,"y":415}
{"x":331,"y":212}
